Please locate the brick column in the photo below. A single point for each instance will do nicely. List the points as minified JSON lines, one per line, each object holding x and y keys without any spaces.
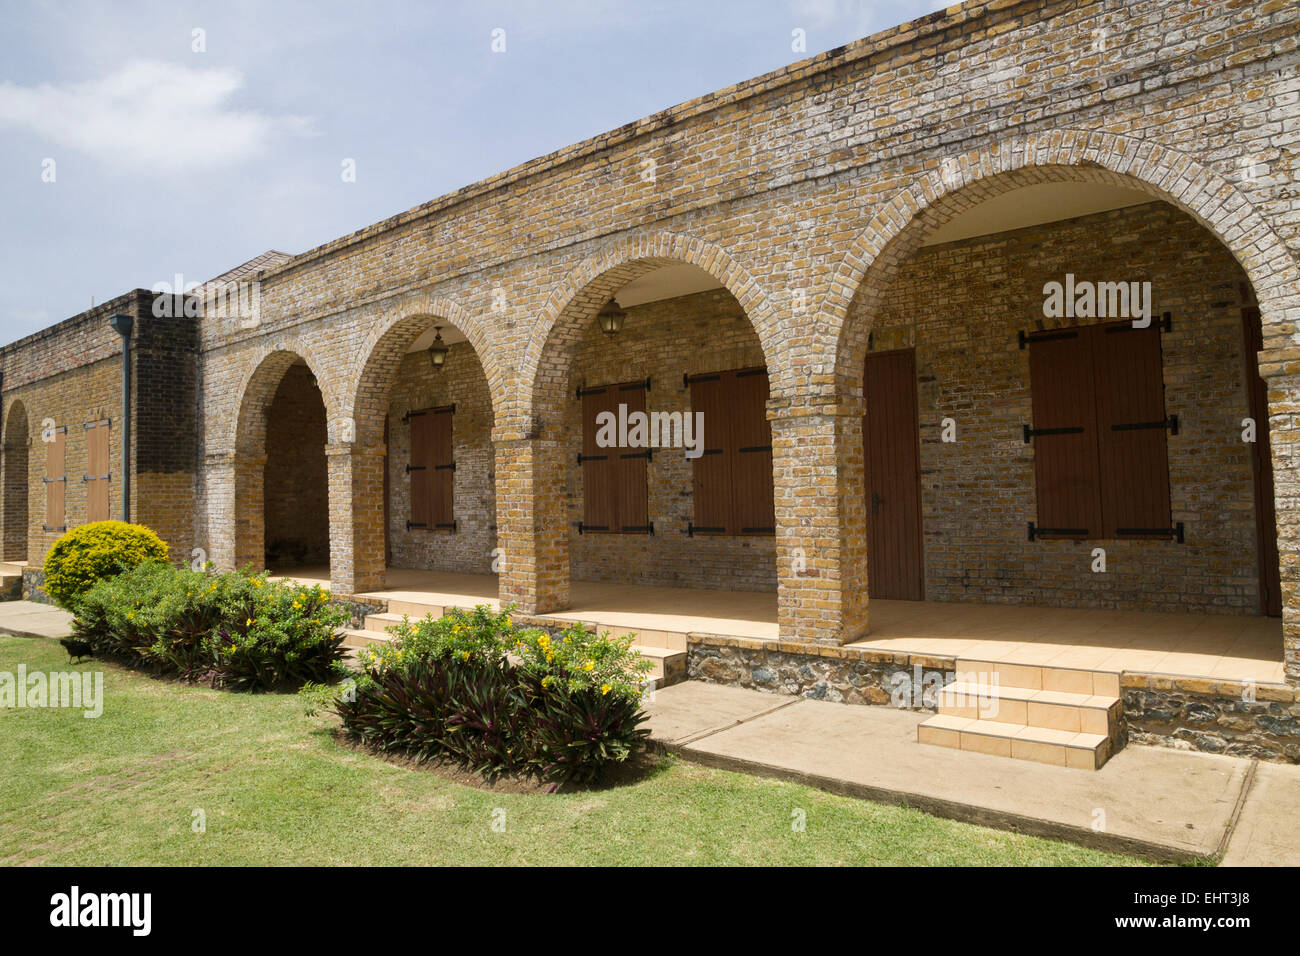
{"x":356,"y":493}
{"x":249,"y":511}
{"x":220,"y":510}
{"x":531,"y":531}
{"x":1281,"y":369}
{"x":820,"y":519}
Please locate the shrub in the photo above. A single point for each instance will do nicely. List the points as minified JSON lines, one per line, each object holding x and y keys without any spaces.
{"x":235,"y":630}
{"x":96,"y":551}
{"x":473,"y":688}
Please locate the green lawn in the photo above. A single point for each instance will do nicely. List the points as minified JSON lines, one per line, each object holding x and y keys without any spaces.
{"x":276,"y":789}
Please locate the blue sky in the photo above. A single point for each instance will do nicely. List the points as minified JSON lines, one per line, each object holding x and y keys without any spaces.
{"x":170,"y":161}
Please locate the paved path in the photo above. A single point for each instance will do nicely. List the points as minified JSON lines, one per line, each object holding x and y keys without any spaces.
{"x":1152,"y":801}
{"x":30,"y":619}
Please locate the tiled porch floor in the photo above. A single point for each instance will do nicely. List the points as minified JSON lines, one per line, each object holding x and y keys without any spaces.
{"x":1225,"y":647}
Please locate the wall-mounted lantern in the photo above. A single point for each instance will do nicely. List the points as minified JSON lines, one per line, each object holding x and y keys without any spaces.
{"x":438,"y":350}
{"x":611,"y":318}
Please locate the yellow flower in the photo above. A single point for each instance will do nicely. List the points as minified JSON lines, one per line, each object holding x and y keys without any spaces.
{"x":590,"y":666}
{"x":508,"y":621}
{"x":464,"y":656}
{"x":604,"y":689}
{"x":248,"y":623}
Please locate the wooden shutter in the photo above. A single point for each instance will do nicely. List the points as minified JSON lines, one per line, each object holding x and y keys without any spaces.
{"x":420,"y":469}
{"x":613,"y":477}
{"x":712,"y":470}
{"x":56,"y":482}
{"x":98,"y":478}
{"x":599,"y":464}
{"x":753,"y":511}
{"x":1131,"y":423}
{"x":631,"y":507}
{"x":1065,"y":434}
{"x":432,"y":469}
{"x":442,"y":456}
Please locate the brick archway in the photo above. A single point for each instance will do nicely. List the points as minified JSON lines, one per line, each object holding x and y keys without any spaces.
{"x":956,"y":184}
{"x":358,"y":461}
{"x":531,"y":444}
{"x":250,"y":450}
{"x":864,"y":276}
{"x":17,"y":489}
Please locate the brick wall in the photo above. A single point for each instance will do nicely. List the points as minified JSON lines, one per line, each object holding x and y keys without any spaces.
{"x":296,"y":488}
{"x":961,"y":304}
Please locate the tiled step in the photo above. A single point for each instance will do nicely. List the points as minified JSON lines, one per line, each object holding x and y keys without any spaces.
{"x":1054,"y":709}
{"x":1058,"y":715}
{"x":1061,"y":748}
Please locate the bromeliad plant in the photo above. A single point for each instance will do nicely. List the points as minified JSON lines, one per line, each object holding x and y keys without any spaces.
{"x":235,"y":629}
{"x":474,"y":688}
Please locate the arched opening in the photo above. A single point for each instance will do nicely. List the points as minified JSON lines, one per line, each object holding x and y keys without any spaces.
{"x":282,"y":517}
{"x":17,"y":449}
{"x":654,"y":465}
{"x":425,"y":406}
{"x":1038,"y":433}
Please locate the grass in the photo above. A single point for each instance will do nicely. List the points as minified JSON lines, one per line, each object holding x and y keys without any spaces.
{"x":276,"y":789}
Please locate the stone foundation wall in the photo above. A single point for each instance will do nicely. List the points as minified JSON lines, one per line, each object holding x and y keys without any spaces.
{"x":1225,"y":717}
{"x":848,"y":677}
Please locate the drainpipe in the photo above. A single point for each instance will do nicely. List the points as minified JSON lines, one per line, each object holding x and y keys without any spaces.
{"x":122,"y":325}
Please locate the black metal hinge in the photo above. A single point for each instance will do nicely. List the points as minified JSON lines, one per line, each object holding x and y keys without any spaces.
{"x":1170,"y":423}
{"x":411,"y":468}
{"x":635,"y":386}
{"x":582,"y":458}
{"x":1025,"y":338}
{"x":760,"y":529}
{"x":640,"y":528}
{"x":749,"y":448}
{"x":693,"y":529}
{"x":638,"y":454}
{"x":583,"y":528}
{"x":447,"y":526}
{"x":688,"y":379}
{"x":1034,"y":533}
{"x":1176,"y":532}
{"x":415,"y":524}
{"x":451,"y":467}
{"x":1031,"y":432}
{"x":1165,"y":323}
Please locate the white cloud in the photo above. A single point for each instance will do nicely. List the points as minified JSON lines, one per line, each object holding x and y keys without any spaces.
{"x":149,"y":116}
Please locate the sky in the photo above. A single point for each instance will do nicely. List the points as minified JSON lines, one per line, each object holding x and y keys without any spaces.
{"x":140,"y":142}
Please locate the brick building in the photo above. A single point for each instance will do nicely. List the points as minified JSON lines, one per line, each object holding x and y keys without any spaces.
{"x":866,"y":239}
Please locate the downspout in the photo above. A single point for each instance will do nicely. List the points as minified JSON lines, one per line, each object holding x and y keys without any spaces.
{"x":122,"y":325}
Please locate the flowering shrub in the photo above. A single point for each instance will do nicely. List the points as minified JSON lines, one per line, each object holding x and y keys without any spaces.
{"x":96,"y":551}
{"x":235,"y":629}
{"x":474,"y":688}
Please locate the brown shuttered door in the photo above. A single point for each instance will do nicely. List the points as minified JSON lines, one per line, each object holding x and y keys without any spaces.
{"x":751,"y":445}
{"x":712,"y":470}
{"x":443,"y":484}
{"x":97,"y":478}
{"x":56,"y":482}
{"x":1270,"y":590}
{"x":599,"y":464}
{"x":1131,"y":434}
{"x":613,"y":476}
{"x":631,"y":509}
{"x":420,"y":468}
{"x":1065,"y":434}
{"x":893,"y":480}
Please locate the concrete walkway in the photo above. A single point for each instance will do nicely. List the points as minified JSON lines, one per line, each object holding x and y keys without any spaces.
{"x":1151,"y":801}
{"x":30,"y":619}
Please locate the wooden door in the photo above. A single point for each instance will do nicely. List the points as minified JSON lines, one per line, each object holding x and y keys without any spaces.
{"x":891,"y":445}
{"x":1270,"y":585}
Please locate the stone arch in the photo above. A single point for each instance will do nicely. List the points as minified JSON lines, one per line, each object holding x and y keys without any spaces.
{"x":17,"y":487}
{"x":956,"y":184}
{"x":574,"y":301}
{"x":388,"y":342}
{"x":250,"y":450}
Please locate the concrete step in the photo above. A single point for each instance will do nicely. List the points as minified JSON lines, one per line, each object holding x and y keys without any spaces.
{"x":1061,"y":748}
{"x":11,"y":567}
{"x":416,"y":612}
